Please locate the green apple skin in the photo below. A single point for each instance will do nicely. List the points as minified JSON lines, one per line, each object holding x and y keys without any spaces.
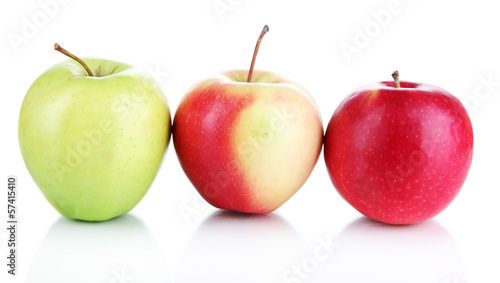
{"x":93,"y":145}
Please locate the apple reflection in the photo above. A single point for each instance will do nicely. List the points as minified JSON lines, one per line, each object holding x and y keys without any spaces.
{"x":236,"y":247}
{"x":119,"y":250}
{"x":370,"y":251}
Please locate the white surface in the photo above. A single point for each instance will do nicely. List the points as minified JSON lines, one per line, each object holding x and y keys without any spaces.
{"x":448,"y":43}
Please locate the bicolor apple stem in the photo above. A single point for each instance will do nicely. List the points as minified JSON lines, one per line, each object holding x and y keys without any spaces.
{"x":395,"y":76}
{"x":250,"y":72}
{"x":70,"y":55}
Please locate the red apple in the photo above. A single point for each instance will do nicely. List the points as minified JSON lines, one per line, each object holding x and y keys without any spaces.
{"x":399,"y":152}
{"x":247,"y":144}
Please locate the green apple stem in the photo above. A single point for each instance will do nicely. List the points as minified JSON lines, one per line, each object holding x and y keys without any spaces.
{"x":250,"y":72}
{"x":395,"y":76}
{"x":70,"y":55}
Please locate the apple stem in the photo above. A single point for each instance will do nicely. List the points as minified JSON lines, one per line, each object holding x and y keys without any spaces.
{"x":67,"y":53}
{"x":395,"y":76}
{"x":250,"y":72}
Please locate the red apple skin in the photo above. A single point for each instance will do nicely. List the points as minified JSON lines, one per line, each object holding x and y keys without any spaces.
{"x":207,"y":136}
{"x":399,"y":155}
{"x":204,"y":148}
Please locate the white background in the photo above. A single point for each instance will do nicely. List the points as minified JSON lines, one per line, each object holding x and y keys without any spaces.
{"x":451,"y":44}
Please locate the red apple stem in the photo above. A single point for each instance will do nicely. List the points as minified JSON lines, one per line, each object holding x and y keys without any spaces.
{"x":250,"y":72}
{"x":70,"y":55}
{"x":395,"y":76}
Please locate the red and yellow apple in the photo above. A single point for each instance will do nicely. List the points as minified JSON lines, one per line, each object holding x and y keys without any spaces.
{"x":399,"y":152}
{"x":247,"y":143}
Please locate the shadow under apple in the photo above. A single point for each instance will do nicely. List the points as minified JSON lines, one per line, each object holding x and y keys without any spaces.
{"x":370,"y":251}
{"x":119,"y":250}
{"x":237,"y":247}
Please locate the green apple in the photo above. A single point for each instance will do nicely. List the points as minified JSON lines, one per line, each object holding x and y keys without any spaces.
{"x":93,"y":141}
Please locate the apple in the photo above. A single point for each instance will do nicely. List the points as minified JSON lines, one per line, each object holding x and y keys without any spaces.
{"x":399,"y":152}
{"x":92,"y":134}
{"x":247,"y":140}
